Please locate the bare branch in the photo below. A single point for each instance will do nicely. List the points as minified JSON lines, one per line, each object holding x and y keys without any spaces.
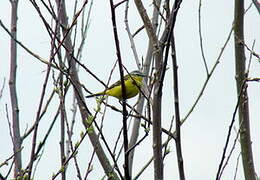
{"x":120,"y":63}
{"x":85,"y":114}
{"x":236,"y":170}
{"x":244,"y":120}
{"x":13,"y":93}
{"x":249,"y":49}
{"x":2,"y":89}
{"x":27,"y":49}
{"x":201,"y":41}
{"x":231,"y":151}
{"x":220,"y":168}
{"x":257,"y":5}
{"x":208,"y":78}
{"x":143,"y":169}
{"x":139,"y":108}
{"x":130,"y":36}
{"x":177,"y":112}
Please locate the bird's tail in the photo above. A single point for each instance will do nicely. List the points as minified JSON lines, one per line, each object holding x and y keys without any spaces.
{"x":94,"y":95}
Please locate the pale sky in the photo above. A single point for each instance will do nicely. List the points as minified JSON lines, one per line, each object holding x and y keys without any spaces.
{"x":205,"y":131}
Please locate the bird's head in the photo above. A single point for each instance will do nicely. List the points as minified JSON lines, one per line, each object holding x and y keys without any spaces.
{"x":137,"y":73}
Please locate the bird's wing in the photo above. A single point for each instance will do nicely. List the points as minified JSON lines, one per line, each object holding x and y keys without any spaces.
{"x":118,"y":83}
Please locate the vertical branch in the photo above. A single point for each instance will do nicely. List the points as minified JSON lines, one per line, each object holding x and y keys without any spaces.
{"x":12,"y":87}
{"x":85,"y":114}
{"x":139,"y":108}
{"x":62,"y":103}
{"x":177,"y":113}
{"x":131,"y":37}
{"x":157,"y":95}
{"x":126,"y":164}
{"x":170,"y":39}
{"x":33,"y":155}
{"x":159,"y":76}
{"x":148,"y":25}
{"x":176,"y":89}
{"x":201,"y":41}
{"x":245,"y":139}
{"x":157,"y":127}
{"x":62,"y":126}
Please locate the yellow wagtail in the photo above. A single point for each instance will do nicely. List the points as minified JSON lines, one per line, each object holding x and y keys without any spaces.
{"x":133,"y":83}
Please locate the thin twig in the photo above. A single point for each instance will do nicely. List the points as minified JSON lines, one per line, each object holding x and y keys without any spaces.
{"x":169,"y":137}
{"x":130,"y":36}
{"x":2,"y":89}
{"x":37,"y":120}
{"x":138,"y":142}
{"x":89,"y":169}
{"x":73,"y":77}
{"x":143,"y":169}
{"x":177,"y":107}
{"x":208,"y":78}
{"x":137,"y":31}
{"x":247,"y":9}
{"x":230,"y":153}
{"x":5,"y":162}
{"x":119,"y":3}
{"x":9,"y":123}
{"x":30,"y":130}
{"x":116,"y":39}
{"x":71,"y":148}
{"x":250,"y":60}
{"x":257,"y":5}
{"x":201,"y":41}
{"x":140,"y":116}
{"x":236,"y":169}
{"x":250,"y":50}
{"x":72,"y":154}
{"x":229,"y":132}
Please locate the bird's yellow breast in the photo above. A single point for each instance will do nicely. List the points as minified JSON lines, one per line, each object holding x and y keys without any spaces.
{"x":132,"y":84}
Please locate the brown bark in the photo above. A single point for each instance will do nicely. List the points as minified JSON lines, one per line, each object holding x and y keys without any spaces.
{"x":245,"y":139}
{"x":13,"y":92}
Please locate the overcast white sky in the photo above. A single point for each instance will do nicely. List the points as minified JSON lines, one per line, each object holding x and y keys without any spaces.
{"x":205,"y":131}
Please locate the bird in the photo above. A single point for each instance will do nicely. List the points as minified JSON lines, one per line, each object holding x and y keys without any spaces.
{"x":133,"y":83}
